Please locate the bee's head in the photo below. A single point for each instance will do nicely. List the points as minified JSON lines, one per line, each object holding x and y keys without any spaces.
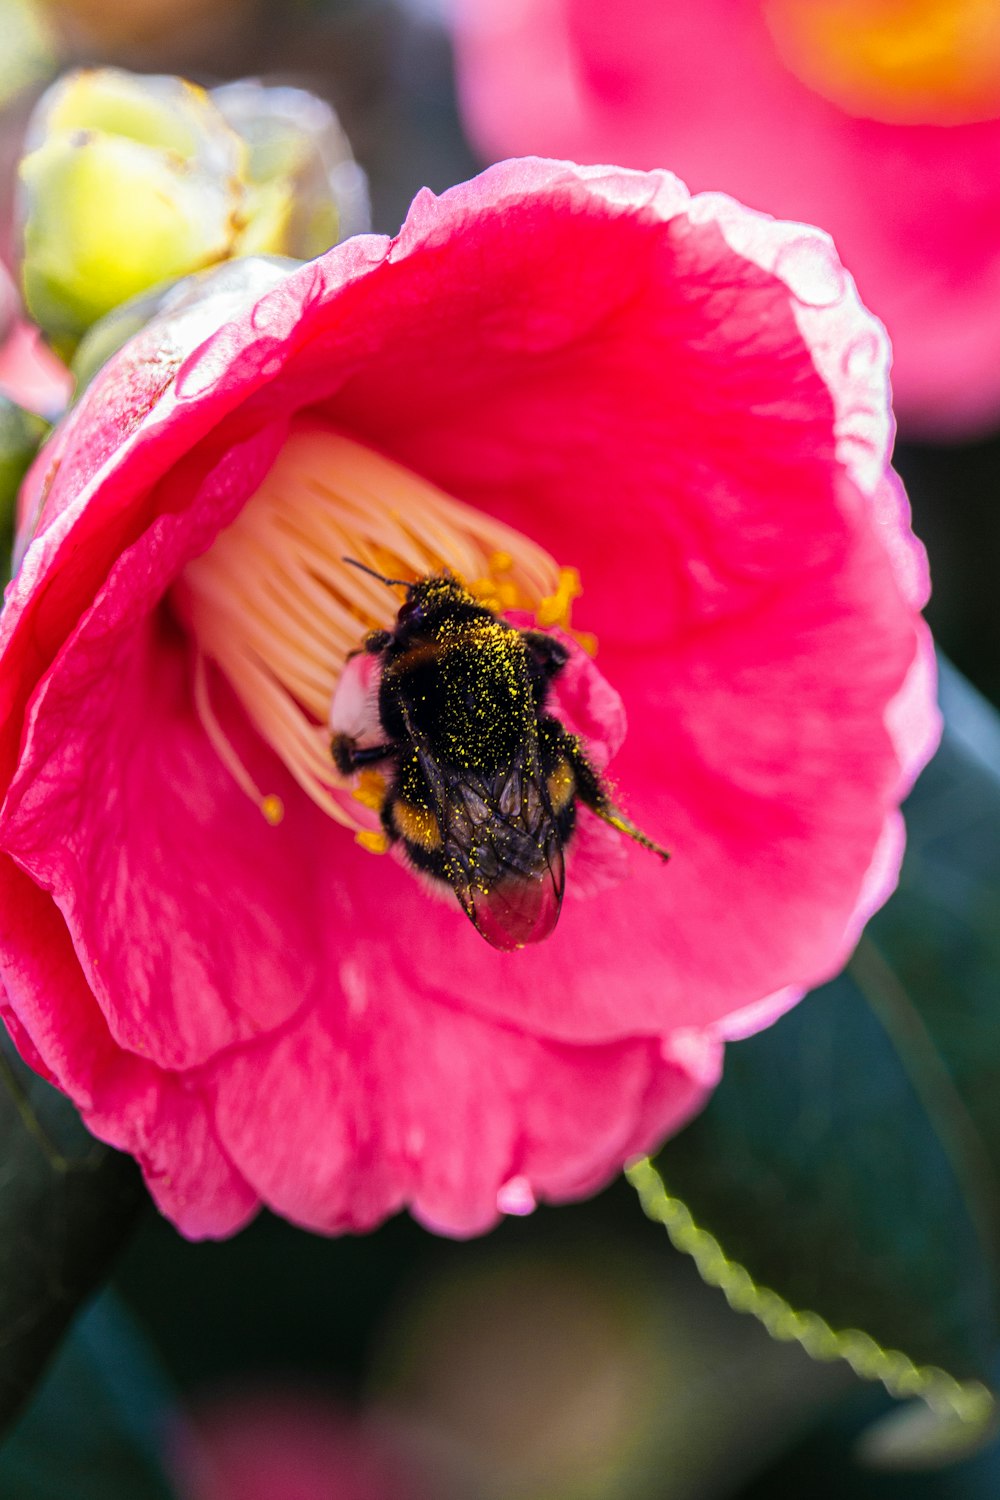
{"x":427,"y":597}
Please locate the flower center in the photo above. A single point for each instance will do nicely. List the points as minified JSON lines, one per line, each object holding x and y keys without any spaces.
{"x":907,"y":62}
{"x":276,"y":607}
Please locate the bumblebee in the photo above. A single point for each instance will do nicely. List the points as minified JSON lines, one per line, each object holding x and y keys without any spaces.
{"x":483,"y":782}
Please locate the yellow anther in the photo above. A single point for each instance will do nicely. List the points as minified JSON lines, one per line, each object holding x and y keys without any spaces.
{"x":370,"y":790}
{"x":485,"y":592}
{"x":902,"y":61}
{"x":499,"y":594}
{"x":273,"y":809}
{"x":555,"y":608}
{"x":373,"y":841}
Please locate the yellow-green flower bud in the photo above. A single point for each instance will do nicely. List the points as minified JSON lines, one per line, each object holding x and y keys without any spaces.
{"x":305,"y":191}
{"x":128,"y":182}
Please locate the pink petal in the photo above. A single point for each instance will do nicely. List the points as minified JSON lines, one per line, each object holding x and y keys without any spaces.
{"x":399,"y":1099}
{"x":117,"y":810}
{"x":159,"y":1117}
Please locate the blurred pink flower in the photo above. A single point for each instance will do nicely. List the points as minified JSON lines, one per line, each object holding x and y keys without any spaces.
{"x":877,"y":119}
{"x":683,"y":399}
{"x":30,"y":373}
{"x":286,"y":1445}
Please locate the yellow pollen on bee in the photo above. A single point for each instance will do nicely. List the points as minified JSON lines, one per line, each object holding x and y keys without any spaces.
{"x":274,"y":607}
{"x":416,"y":824}
{"x":561,"y":784}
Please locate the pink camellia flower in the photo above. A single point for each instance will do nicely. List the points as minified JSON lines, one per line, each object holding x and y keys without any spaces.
{"x":879,"y":119}
{"x":549,"y":369}
{"x":284,"y":1444}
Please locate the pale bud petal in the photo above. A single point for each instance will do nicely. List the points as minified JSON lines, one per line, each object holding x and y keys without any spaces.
{"x":128,"y":182}
{"x":305,"y":191}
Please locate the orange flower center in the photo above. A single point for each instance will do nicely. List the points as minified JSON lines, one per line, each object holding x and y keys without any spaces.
{"x":906,"y":62}
{"x":274,"y":605}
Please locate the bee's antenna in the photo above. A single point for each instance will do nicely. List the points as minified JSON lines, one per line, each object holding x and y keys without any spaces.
{"x":403,"y":582}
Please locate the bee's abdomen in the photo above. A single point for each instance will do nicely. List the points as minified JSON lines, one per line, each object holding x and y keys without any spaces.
{"x":560,"y":783}
{"x":415,"y":825}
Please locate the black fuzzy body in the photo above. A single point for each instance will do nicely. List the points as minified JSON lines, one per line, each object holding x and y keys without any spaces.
{"x":482,"y":782}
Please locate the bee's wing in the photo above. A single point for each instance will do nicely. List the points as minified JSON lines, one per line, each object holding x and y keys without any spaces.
{"x":519,"y":909}
{"x":503,"y":850}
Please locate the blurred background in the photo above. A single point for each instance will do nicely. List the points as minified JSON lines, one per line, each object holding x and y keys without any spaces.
{"x":573,"y":1353}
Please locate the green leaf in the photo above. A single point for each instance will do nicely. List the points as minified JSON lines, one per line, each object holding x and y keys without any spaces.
{"x":66,"y":1204}
{"x":941,"y":933}
{"x":94,"y":1430}
{"x":844,"y":1181}
{"x":21,"y":432}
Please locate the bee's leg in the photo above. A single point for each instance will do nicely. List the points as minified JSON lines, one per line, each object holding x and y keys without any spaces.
{"x":375,"y":642}
{"x":545,"y":653}
{"x":546,"y":657}
{"x":349,"y":757}
{"x":589,"y":788}
{"x":591,"y":792}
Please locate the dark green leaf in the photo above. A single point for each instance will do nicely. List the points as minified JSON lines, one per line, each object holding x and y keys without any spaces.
{"x":20,"y":434}
{"x":95,"y":1428}
{"x":850,"y":1159}
{"x":66,"y":1203}
{"x":941,"y":933}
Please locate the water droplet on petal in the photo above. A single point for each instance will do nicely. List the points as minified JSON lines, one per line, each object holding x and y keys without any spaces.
{"x":697,"y":1052}
{"x":515,"y":1197}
